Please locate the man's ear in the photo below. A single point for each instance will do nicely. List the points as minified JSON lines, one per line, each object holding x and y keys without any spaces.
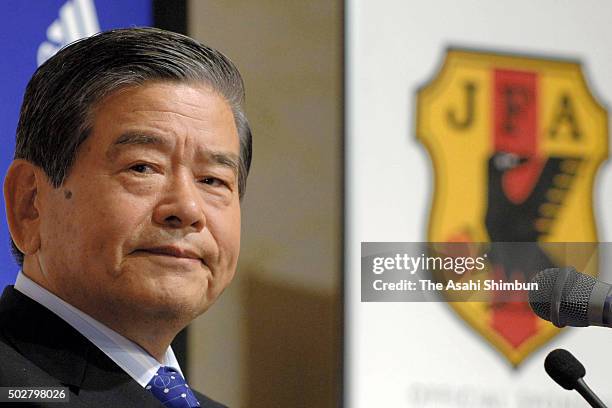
{"x":21,"y":186}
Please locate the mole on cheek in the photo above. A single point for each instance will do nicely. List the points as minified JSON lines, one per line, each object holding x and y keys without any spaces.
{"x":67,"y":194}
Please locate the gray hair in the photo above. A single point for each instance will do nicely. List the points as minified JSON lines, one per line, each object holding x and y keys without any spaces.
{"x":56,"y":114}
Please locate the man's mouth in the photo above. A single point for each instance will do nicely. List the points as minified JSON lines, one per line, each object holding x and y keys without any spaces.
{"x":172,"y":251}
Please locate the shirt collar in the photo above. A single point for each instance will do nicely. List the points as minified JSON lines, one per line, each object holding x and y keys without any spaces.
{"x":133,"y":359}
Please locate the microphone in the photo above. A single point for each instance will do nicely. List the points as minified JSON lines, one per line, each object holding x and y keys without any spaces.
{"x":569,"y":298}
{"x":568,"y":372}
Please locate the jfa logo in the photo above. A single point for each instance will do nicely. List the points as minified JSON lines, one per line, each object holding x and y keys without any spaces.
{"x":515,"y":144}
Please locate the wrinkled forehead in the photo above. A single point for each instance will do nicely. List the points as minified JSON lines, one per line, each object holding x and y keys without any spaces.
{"x":161,"y":113}
{"x":158,"y":94}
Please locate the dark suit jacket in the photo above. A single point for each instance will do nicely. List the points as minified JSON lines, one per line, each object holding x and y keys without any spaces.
{"x":38,"y":348}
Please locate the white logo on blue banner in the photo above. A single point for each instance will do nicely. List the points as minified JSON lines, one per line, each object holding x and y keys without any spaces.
{"x":77,"y":19}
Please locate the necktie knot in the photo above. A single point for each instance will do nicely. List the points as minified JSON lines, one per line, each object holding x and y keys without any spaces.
{"x":169,"y":386}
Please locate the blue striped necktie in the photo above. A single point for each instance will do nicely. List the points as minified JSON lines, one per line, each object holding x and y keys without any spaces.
{"x":168,"y":386}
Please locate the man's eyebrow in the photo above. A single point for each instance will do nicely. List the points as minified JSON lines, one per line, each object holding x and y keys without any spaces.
{"x":230,"y":160}
{"x":134,"y":138}
{"x":137,"y":138}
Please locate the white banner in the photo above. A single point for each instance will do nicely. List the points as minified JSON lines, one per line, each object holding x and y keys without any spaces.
{"x":425,"y":354}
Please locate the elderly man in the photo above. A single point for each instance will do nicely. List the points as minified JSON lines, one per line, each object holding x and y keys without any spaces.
{"x":123,"y":204}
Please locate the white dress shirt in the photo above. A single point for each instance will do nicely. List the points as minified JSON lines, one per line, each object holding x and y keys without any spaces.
{"x":135,"y":361}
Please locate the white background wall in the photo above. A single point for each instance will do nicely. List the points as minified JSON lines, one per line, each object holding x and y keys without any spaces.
{"x":398,"y":353}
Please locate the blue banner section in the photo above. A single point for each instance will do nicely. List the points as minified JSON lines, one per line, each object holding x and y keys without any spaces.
{"x":30,"y":32}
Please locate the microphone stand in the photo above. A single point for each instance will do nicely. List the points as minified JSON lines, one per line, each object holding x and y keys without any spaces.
{"x":588,"y":394}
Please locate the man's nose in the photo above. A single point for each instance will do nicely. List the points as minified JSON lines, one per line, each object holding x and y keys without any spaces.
{"x":181,"y":205}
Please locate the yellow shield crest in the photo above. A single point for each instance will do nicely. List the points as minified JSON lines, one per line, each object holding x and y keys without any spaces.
{"x":515,"y":143}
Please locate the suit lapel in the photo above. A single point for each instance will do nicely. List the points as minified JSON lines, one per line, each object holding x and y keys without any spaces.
{"x":57,"y":348}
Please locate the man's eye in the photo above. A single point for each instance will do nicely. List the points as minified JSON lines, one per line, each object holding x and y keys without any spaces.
{"x":141,"y":168}
{"x":212,"y":181}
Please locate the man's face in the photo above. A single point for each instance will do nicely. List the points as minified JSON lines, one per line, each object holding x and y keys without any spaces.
{"x":148,"y":221}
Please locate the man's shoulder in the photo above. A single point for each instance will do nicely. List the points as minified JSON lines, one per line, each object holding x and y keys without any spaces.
{"x":17,"y":371}
{"x":37,"y":349}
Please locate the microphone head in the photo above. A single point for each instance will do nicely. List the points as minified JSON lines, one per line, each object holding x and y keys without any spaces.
{"x":540,"y":299}
{"x":564,"y":368}
{"x":574,"y":298}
